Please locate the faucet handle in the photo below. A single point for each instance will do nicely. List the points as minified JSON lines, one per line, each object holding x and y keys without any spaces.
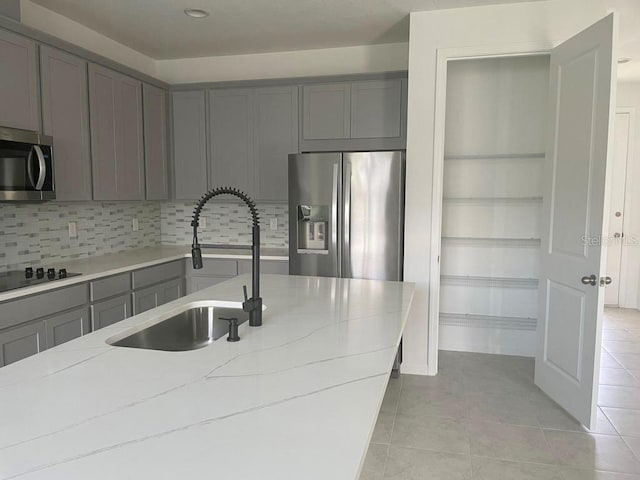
{"x":246,"y":296}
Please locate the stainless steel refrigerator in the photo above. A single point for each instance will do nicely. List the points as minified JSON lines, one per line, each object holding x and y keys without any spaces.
{"x":346,"y":214}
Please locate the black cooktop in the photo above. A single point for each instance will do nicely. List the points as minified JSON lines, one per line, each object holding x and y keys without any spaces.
{"x":31,"y":276}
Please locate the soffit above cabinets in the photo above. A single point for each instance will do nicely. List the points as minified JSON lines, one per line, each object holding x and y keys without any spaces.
{"x":161,"y":30}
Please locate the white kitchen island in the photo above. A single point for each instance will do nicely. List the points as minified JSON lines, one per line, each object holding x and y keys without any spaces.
{"x":296,"y":398}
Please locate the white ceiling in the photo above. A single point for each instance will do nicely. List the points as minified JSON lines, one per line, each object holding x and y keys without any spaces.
{"x":629,"y":36}
{"x":159,"y":28}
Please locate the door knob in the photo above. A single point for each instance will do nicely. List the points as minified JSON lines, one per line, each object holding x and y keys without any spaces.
{"x":616,"y":235}
{"x":605,"y":281}
{"x":590,"y":280}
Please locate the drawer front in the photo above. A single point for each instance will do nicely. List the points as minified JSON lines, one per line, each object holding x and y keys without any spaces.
{"x":276,"y":267}
{"x":110,"y":286}
{"x":213,"y":266}
{"x":41,"y":305}
{"x":157,"y":274}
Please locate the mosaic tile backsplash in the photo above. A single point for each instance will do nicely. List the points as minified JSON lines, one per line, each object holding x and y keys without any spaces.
{"x":226,"y":223}
{"x":37,"y":234}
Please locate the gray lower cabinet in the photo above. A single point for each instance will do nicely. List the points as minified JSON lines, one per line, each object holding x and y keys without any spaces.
{"x":275,"y":267}
{"x":117,"y":148}
{"x":65,"y":116}
{"x":214,"y":271}
{"x":19,"y":99}
{"x":155,"y":142}
{"x":108,"y":312}
{"x":156,"y":295}
{"x":22,"y":342}
{"x":189,"y":135}
{"x":66,"y":326}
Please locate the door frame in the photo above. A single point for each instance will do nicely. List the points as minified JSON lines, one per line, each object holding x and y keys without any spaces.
{"x":624,"y":256}
{"x":443,"y":57}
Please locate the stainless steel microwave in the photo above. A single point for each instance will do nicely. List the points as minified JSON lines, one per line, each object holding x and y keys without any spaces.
{"x":26,"y":166}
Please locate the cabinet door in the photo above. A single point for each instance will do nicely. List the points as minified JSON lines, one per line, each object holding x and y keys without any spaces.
{"x":155,"y":142}
{"x":195,"y":284}
{"x":110,"y":311}
{"x":231,"y":137}
{"x":145,"y":299}
{"x":189,"y":129}
{"x":376,"y":108}
{"x":65,"y":116}
{"x":21,"y":342}
{"x":170,"y":291}
{"x":276,"y":267}
{"x":129,"y":140}
{"x":67,"y":326}
{"x":275,"y":119}
{"x":102,"y":105}
{"x":19,"y":100}
{"x":326,"y":111}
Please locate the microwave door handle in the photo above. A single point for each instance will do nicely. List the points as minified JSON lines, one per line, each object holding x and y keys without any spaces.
{"x":43,"y":167}
{"x":30,"y":168}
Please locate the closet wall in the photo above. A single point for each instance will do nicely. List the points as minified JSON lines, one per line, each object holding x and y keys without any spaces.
{"x":494,"y":153}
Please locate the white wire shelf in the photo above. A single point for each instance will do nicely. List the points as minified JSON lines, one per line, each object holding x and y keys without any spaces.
{"x":488,"y":321}
{"x":504,"y":282}
{"x":494,"y":241}
{"x":497,"y":156}
{"x":494,"y":200}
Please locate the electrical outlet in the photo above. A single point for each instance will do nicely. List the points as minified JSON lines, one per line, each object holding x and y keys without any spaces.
{"x":273,"y":223}
{"x":134,"y":225}
{"x":73,"y":230}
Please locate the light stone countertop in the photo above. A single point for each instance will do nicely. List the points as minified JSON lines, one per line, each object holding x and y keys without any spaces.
{"x":296,"y":398}
{"x":114,"y":263}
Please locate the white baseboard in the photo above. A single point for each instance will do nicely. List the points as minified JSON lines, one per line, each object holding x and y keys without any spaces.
{"x":488,"y":340}
{"x":416,"y":369}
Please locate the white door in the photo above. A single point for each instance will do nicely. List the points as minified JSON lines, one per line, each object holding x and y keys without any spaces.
{"x":569,"y":325}
{"x":618,"y":180}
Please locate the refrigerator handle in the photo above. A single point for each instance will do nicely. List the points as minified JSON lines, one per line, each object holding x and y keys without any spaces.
{"x":334,"y":217}
{"x":346,"y":234}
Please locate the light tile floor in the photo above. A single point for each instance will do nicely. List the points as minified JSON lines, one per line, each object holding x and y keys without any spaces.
{"x":482,"y":417}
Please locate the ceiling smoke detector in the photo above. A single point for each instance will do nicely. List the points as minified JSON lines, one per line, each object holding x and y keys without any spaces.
{"x":196,"y":13}
{"x":624,"y":60}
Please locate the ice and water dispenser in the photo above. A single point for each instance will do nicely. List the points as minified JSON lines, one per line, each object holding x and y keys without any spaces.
{"x":313,"y":228}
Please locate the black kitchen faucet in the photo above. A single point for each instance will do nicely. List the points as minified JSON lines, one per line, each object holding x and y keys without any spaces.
{"x":251,"y":305}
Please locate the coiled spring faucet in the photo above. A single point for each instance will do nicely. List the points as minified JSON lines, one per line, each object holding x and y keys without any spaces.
{"x":251,"y":305}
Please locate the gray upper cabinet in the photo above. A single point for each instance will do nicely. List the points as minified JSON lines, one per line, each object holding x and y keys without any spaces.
{"x":231,"y":137}
{"x":326,"y":111}
{"x":357,"y":115}
{"x":275,"y":119}
{"x":155,"y":142}
{"x":19,"y":98}
{"x":115,"y":103}
{"x":376,"y":109}
{"x":65,"y":116}
{"x":189,"y":144}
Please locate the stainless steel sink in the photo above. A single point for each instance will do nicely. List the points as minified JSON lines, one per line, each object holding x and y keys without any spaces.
{"x":194,"y":328}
